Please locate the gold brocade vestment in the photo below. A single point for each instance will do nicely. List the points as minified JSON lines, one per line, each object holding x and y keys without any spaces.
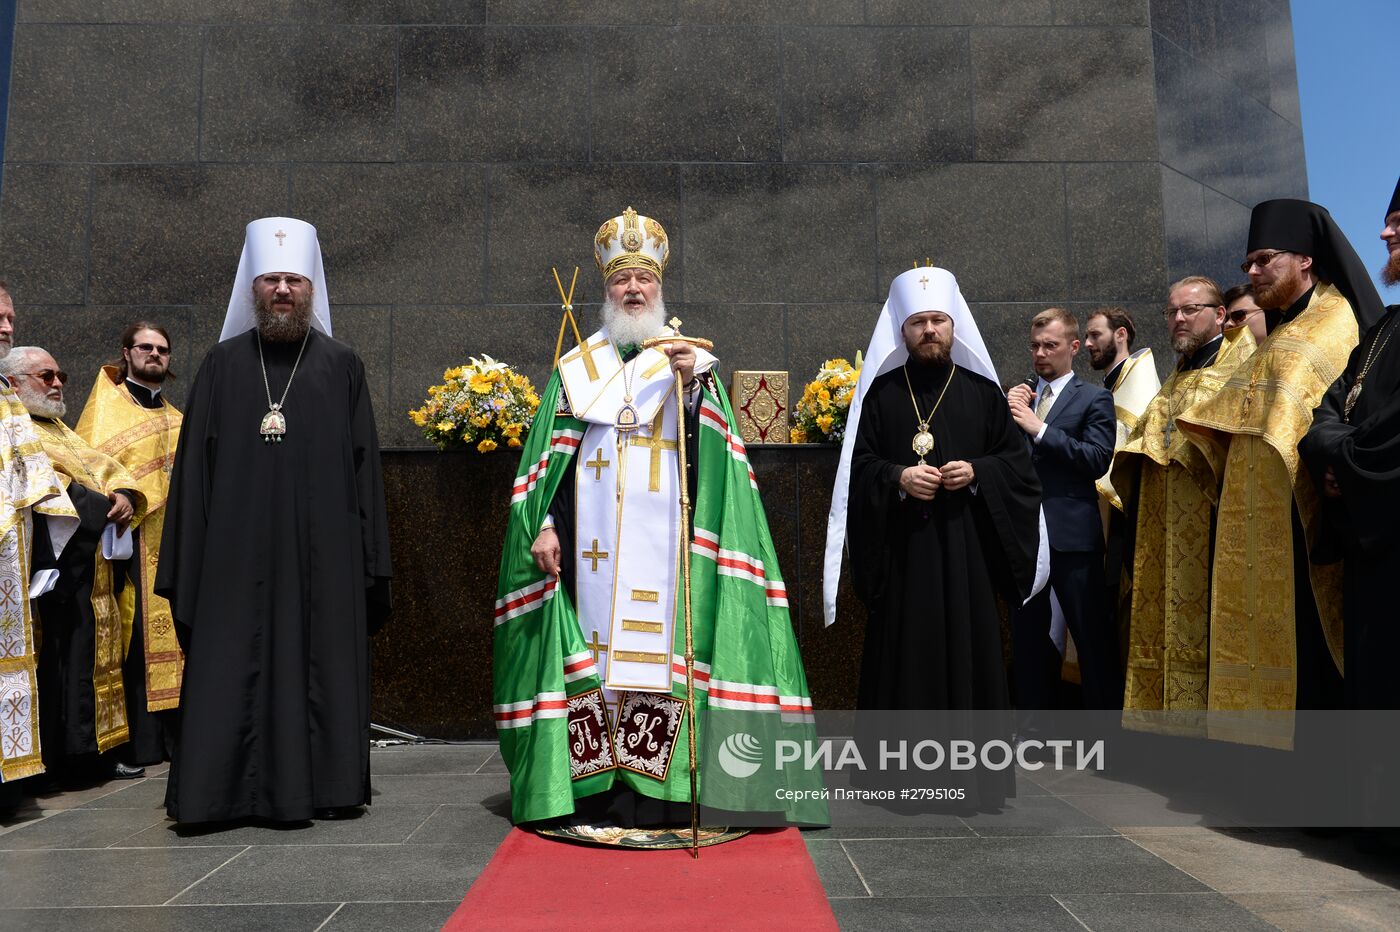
{"x":28,"y":484}
{"x":142,"y":440}
{"x":1249,"y":433}
{"x":76,"y":462}
{"x":1173,"y":487}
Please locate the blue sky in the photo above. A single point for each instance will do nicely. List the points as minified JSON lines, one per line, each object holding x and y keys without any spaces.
{"x":1349,"y":84}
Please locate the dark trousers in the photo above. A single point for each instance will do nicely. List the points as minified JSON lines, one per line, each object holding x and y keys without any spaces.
{"x":1078,"y":581}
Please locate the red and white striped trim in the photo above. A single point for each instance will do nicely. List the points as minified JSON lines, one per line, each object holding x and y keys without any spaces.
{"x":521,"y":714}
{"x":777,"y":593}
{"x":730,"y":562}
{"x":578,"y":666}
{"x":563,"y":441}
{"x":702,"y":672}
{"x":712,"y":417}
{"x":744,"y":696}
{"x":517,"y":603}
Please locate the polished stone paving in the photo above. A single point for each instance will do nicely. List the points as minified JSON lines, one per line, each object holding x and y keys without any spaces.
{"x":1065,"y":854}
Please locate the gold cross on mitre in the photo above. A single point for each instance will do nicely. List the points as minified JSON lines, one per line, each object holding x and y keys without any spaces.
{"x":568,"y":320}
{"x":928,"y":264}
{"x":281,"y":235}
{"x":656,"y":443}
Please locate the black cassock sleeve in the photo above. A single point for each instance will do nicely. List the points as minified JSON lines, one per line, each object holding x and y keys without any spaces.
{"x":75,"y":563}
{"x":187,"y":506}
{"x":374,"y":520}
{"x":1364,"y":455}
{"x":871,"y":505}
{"x":1009,"y":489}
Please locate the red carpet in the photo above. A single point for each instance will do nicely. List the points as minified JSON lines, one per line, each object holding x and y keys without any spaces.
{"x":762,"y":881}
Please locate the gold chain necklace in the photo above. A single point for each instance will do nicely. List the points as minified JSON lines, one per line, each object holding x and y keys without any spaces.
{"x":1377,"y":345}
{"x":274,"y":423}
{"x":627,"y":418}
{"x":923,"y":440}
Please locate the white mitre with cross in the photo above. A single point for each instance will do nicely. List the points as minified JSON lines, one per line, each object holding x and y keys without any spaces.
{"x":277,"y":244}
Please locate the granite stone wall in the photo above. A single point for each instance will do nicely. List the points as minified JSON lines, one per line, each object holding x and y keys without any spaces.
{"x":1074,"y":152}
{"x":800,"y":153}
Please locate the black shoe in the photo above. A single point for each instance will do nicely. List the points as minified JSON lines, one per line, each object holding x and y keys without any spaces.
{"x":337,"y":813}
{"x":122,"y":771}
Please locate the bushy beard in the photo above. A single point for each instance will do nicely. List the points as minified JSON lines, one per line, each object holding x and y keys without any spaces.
{"x":624,"y":328}
{"x":1187,"y":344}
{"x":1101,"y":360}
{"x":38,"y":403}
{"x":1390,"y":272}
{"x":5,"y":347}
{"x":280,"y":328}
{"x":1282,"y":292}
{"x":150,"y":372}
{"x":930,"y":352}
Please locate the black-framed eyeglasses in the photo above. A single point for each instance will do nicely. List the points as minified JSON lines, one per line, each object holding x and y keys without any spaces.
{"x":1263,"y":259}
{"x":152,"y":349}
{"x":1185,"y":310}
{"x":48,"y":376}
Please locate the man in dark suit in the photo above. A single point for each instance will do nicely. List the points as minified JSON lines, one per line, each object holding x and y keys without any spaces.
{"x":1071,"y":427}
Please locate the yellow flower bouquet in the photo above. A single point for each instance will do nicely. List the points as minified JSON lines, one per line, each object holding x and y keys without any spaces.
{"x":485,"y":404}
{"x":820,"y":415}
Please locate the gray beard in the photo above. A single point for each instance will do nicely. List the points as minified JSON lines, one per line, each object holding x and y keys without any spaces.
{"x":5,"y":349}
{"x":623,"y":328}
{"x":275,"y":328}
{"x":39,"y":405}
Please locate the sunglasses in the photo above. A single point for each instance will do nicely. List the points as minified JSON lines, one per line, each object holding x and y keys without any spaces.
{"x":152,"y":349}
{"x":1241,"y":315}
{"x":1263,"y":260}
{"x":48,"y":375}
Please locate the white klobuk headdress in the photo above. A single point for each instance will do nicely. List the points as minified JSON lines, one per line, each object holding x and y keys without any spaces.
{"x":277,"y":244}
{"x":917,"y":291}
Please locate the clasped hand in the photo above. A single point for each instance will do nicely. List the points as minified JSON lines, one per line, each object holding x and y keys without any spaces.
{"x":924,"y":481}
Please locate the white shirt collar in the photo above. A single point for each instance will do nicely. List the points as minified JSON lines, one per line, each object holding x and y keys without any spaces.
{"x":1058,"y":385}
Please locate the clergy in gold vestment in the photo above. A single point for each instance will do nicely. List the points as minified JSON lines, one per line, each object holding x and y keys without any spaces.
{"x":35,"y":516}
{"x":1275,"y":622}
{"x":128,"y":417}
{"x":1167,"y":488}
{"x":82,"y":701}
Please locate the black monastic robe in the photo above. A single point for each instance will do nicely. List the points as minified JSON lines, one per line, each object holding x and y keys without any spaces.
{"x":1360,"y":527}
{"x":68,"y":639}
{"x":930,"y":572}
{"x":275,"y":560}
